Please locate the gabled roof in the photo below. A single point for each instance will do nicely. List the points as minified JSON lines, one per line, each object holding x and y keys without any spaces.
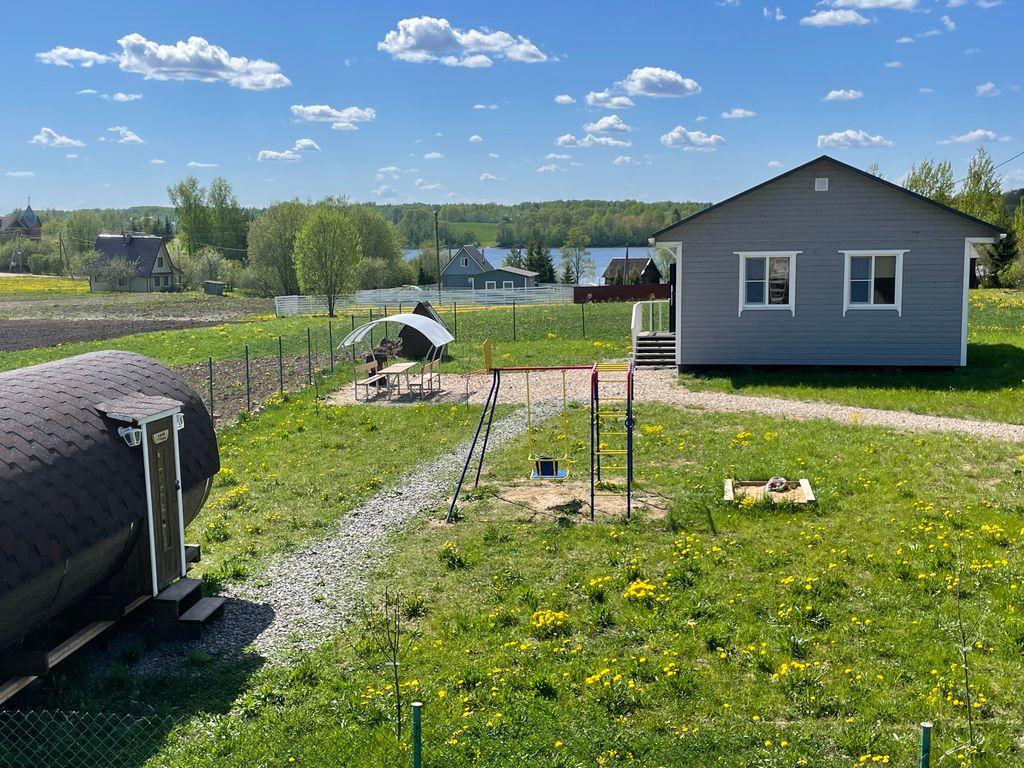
{"x":828,"y":158}
{"x":474,"y":255}
{"x":29,"y":217}
{"x":617,"y":265}
{"x":140,"y":249}
{"x":516,"y":271}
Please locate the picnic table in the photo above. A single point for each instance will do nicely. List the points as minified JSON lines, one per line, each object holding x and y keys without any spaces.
{"x":394,"y":372}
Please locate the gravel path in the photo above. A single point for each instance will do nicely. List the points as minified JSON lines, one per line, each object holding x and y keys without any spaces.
{"x":302,"y":598}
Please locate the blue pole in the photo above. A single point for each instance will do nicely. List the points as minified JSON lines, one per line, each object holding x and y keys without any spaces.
{"x":487,"y":433}
{"x":469,"y":456}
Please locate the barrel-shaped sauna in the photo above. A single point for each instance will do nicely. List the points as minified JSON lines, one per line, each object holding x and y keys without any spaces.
{"x":92,"y":448}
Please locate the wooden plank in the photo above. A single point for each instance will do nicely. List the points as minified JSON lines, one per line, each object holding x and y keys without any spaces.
{"x":808,"y":493}
{"x":729,"y":494}
{"x":15,"y":685}
{"x":82,"y":637}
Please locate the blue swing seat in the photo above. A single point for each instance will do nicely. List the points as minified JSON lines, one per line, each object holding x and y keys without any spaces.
{"x":546,"y":468}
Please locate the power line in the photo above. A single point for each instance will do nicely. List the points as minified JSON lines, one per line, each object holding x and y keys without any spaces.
{"x":1000,"y":165}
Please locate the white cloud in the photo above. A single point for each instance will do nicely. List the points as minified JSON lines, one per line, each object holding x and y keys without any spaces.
{"x":977,"y":136}
{"x":345,"y":119}
{"x":605,"y":100}
{"x":738,"y":113}
{"x":20,"y":174}
{"x":551,"y":168}
{"x":625,"y":160}
{"x":972,"y":51}
{"x":47,"y":137}
{"x":955,"y":3}
{"x":384,"y":191}
{"x":895,"y":64}
{"x":590,"y":140}
{"x":289,"y":155}
{"x":904,"y":40}
{"x":924,"y":90}
{"x":488,"y":177}
{"x":428,"y":185}
{"x":655,"y":81}
{"x":433,"y":156}
{"x":485,"y":106}
{"x":564,"y":98}
{"x":71,"y":156}
{"x":424,"y":38}
{"x":948,"y":23}
{"x":700,"y":118}
{"x":475,"y":139}
{"x":493,"y":155}
{"x":929,"y":33}
{"x":851,"y":139}
{"x":123,"y":97}
{"x":125,"y":136}
{"x":197,"y":59}
{"x":871,"y":5}
{"x":986,"y":89}
{"x":87,"y":92}
{"x":306,"y":145}
{"x":557,"y":156}
{"x":388,"y":172}
{"x":777,"y":14}
{"x":833,"y":18}
{"x":844,"y":94}
{"x":692,"y":141}
{"x":607,"y":124}
{"x":989,"y":3}
{"x":774,"y":164}
{"x":68,"y":57}
{"x":156,"y":161}
{"x":195,"y":164}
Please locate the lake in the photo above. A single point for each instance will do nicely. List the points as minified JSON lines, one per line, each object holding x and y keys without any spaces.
{"x":601,"y":256}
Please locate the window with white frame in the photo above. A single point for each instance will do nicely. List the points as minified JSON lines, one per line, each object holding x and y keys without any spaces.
{"x":507,"y":284}
{"x":768,"y":280}
{"x":873,"y":280}
{"x":490,"y":285}
{"x":464,"y":261}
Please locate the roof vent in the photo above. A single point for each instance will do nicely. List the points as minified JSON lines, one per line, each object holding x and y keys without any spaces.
{"x":821,"y":185}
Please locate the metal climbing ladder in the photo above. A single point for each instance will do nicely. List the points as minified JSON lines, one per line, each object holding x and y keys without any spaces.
{"x":611,"y":433}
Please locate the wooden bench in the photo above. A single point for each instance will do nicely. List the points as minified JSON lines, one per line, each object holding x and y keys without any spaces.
{"x":430,"y":373}
{"x":371,"y":379}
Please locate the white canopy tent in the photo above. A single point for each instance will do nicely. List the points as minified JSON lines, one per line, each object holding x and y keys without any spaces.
{"x":436,"y":333}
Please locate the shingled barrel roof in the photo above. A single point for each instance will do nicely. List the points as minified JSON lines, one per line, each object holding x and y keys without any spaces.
{"x":142,"y":250}
{"x":68,"y":480}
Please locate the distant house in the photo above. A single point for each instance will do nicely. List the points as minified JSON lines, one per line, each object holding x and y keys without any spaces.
{"x":24,"y":224}
{"x":823,"y":265}
{"x":503,"y":277}
{"x":467,"y":262}
{"x":153,"y":268}
{"x":645,"y":269}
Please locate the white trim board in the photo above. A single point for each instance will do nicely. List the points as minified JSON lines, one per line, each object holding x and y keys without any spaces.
{"x":968,"y":243}
{"x":767,"y":255}
{"x":898,"y":305}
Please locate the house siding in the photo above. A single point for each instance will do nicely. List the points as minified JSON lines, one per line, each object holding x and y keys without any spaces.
{"x":457,"y":276}
{"x":856,"y":213}
{"x":500,"y":276}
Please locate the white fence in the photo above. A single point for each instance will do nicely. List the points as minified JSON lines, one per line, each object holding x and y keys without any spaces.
{"x":407,"y":297}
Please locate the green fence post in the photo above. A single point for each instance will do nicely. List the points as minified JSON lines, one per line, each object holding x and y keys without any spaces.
{"x":280,"y":366}
{"x":417,"y":734}
{"x":330,"y":341}
{"x":309,"y":357}
{"x":583,"y":314}
{"x":513,"y":321}
{"x":248,"y":387}
{"x":926,"y":745}
{"x":210,"y":363}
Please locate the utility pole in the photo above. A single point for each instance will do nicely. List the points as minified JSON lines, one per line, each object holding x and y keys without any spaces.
{"x":437,"y":251}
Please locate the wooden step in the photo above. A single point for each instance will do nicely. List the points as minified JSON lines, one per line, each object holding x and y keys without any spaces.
{"x":193,"y":554}
{"x":191,"y":623}
{"x":174,"y":601}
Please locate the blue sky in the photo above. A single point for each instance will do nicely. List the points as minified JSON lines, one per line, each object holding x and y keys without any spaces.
{"x":396,"y":102}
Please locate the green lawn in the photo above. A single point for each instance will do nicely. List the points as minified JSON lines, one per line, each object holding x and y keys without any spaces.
{"x":792,"y":636}
{"x":484,"y":232}
{"x":990,"y":387}
{"x":40,"y":286}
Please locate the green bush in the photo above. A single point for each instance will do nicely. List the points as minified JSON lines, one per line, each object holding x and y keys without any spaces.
{"x":46,"y":264}
{"x":1012,"y":276}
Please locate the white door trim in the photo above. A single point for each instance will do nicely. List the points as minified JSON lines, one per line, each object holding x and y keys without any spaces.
{"x":968,"y":242}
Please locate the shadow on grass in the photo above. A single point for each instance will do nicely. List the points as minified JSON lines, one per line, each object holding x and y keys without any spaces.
{"x":990,"y":367}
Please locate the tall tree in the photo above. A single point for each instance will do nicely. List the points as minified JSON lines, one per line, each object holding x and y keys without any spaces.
{"x":81,"y":229}
{"x":514,"y":257}
{"x":931,"y":179}
{"x":981,"y":195}
{"x":189,"y":202}
{"x":577,"y":265}
{"x":272,"y":245}
{"x":538,"y":259}
{"x":227,"y":220}
{"x":327,"y":253}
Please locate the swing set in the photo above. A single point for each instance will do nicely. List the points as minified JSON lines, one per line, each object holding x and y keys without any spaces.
{"x":611,"y":430}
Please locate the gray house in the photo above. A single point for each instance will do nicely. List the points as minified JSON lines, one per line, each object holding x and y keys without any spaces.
{"x":153,"y":268}
{"x":467,"y":262}
{"x":823,"y":265}
{"x":504,"y":277}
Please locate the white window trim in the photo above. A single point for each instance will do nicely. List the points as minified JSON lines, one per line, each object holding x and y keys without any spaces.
{"x":969,"y":242}
{"x":490,"y":285}
{"x":505,"y":284}
{"x":464,"y":261}
{"x":472,"y":282}
{"x":898,"y":305}
{"x":744,"y":255}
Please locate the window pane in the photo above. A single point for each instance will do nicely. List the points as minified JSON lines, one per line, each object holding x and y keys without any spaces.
{"x":860,"y":268}
{"x":885,"y":290}
{"x":755,"y":269}
{"x":755,"y":292}
{"x":885,"y":266}
{"x":860,"y":291}
{"x":778,"y":281}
